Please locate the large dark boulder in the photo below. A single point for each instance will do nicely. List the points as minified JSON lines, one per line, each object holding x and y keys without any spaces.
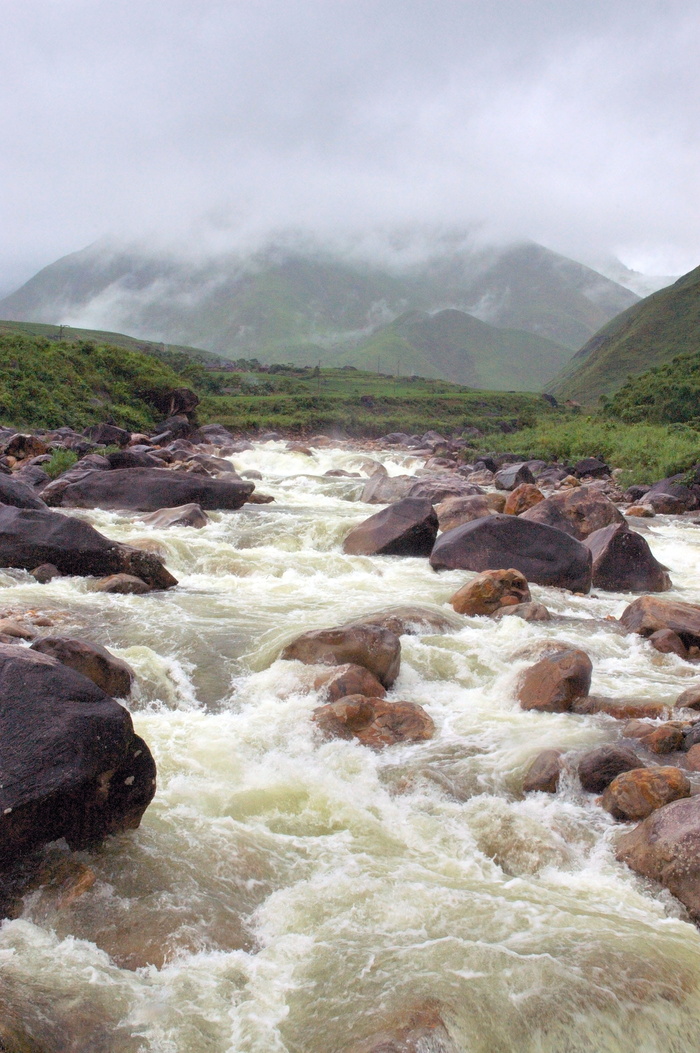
{"x":108,"y":434}
{"x":30,"y":537}
{"x":544,"y":555}
{"x":133,"y":459}
{"x":148,"y":489}
{"x":677,"y":489}
{"x":623,"y":561}
{"x":71,"y":764}
{"x":648,"y":615}
{"x":438,"y":488}
{"x":591,"y":467}
{"x":513,"y":475}
{"x":408,"y":528}
{"x":19,"y":494}
{"x":578,"y":511}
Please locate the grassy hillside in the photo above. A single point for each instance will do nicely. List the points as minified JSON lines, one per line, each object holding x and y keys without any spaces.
{"x":668,"y":394}
{"x":650,"y":333}
{"x":61,"y":332}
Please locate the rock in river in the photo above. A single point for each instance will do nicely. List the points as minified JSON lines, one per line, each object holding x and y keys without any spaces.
{"x":92,"y":660}
{"x":371,"y":646}
{"x":648,"y":615}
{"x":374,"y":721}
{"x":623,"y":561}
{"x":147,"y":490}
{"x":489,"y":591}
{"x":407,"y":528}
{"x":577,"y":512}
{"x":554,"y":683}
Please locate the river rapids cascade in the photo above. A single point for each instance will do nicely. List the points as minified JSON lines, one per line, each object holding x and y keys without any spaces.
{"x":289,"y":894}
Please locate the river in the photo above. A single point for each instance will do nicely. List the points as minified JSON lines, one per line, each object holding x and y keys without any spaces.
{"x":286,"y":895}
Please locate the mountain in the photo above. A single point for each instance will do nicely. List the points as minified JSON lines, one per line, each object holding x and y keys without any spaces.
{"x":305,"y":302}
{"x":60,"y":332}
{"x":641,"y":284}
{"x":650,"y":333}
{"x":459,"y":347}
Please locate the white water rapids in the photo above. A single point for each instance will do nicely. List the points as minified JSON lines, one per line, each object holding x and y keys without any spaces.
{"x":287,"y":895}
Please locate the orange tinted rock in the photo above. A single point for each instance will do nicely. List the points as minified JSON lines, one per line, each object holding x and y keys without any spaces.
{"x":544,"y":772}
{"x":454,"y":511}
{"x":648,"y":614}
{"x":371,"y":646}
{"x":636,"y":794}
{"x":640,"y":511}
{"x":577,"y":512}
{"x":620,"y":708}
{"x":490,"y":590}
{"x":692,"y":758}
{"x":525,"y":496}
{"x":374,"y":721}
{"x":689,"y":699}
{"x":554,"y":683}
{"x":496,"y":501}
{"x":667,"y":642}
{"x":347,"y":680}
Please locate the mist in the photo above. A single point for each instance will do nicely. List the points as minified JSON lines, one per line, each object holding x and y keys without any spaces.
{"x":206,"y":128}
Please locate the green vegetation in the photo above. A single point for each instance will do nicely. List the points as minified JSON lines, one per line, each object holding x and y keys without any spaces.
{"x":651,"y":333}
{"x":61,"y":461}
{"x":668,"y":394}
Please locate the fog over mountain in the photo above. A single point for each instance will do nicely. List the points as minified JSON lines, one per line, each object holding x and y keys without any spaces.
{"x":211,"y":125}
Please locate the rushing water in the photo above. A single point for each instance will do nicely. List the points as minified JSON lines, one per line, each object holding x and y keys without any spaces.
{"x":285,"y":895}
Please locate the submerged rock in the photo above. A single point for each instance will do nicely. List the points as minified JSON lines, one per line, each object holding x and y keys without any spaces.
{"x":529,"y":612}
{"x":422,"y":1031}
{"x":190,"y":515}
{"x":72,"y":765}
{"x":407,"y":528}
{"x":544,"y":772}
{"x":374,"y":721}
{"x":370,"y":646}
{"x":413,"y":620}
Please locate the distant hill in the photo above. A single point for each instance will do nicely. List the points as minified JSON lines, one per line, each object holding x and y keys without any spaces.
{"x":65,"y":332}
{"x":305,"y":303}
{"x":650,"y":333}
{"x":456,"y":346}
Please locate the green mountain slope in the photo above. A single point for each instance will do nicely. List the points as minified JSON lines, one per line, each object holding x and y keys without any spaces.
{"x":60,"y":332}
{"x":650,"y":333}
{"x":463,"y":349}
{"x":307,"y":302}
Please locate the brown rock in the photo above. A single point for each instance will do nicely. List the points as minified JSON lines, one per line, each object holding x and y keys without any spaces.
{"x":413,"y":621}
{"x":347,"y":680}
{"x":529,"y":612}
{"x":620,"y":708}
{"x":648,"y":614}
{"x":598,"y":767}
{"x":544,"y":772}
{"x":667,"y":642}
{"x":525,"y":496}
{"x":113,"y":675}
{"x":665,"y":739}
{"x":692,"y":757}
{"x":496,"y":501}
{"x":578,"y":512}
{"x":371,"y":646}
{"x":636,"y":794}
{"x":374,"y":721}
{"x":666,"y":848}
{"x":555,"y":682}
{"x":490,"y":590}
{"x":22,"y":446}
{"x":45,"y":572}
{"x":454,"y":511}
{"x":689,"y":699}
{"x":123,"y":584}
{"x":407,"y":528}
{"x":663,"y":504}
{"x":10,"y":627}
{"x":190,"y":515}
{"x":421,"y":1032}
{"x":640,"y":511}
{"x":623,"y":561}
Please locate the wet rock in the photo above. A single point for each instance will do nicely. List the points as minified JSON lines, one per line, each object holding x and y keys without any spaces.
{"x":349,"y":680}
{"x":382,"y":489}
{"x":525,"y":496}
{"x":623,"y":561}
{"x":407,"y":528}
{"x":122,"y":584}
{"x":190,"y":515}
{"x":692,"y":758}
{"x":675,"y":489}
{"x":541,"y":553}
{"x":108,"y":434}
{"x":22,"y":446}
{"x":667,"y":642}
{"x":454,"y":511}
{"x":439,"y":487}
{"x":640,"y":512}
{"x":374,"y":721}
{"x":11,"y":628}
{"x":634,"y":795}
{"x":648,"y":614}
{"x":92,"y":660}
{"x":590,"y":466}
{"x":598,"y":767}
{"x":663,"y":738}
{"x":555,"y":682}
{"x":512,"y":476}
{"x":544,"y":773}
{"x":576,"y":512}
{"x":529,"y":612}
{"x":491,"y":590}
{"x":17,"y":493}
{"x":666,"y":848}
{"x":413,"y":620}
{"x":29,"y":537}
{"x":147,"y":490}
{"x":421,"y":1032}
{"x":690,"y":698}
{"x":371,"y":646}
{"x":664,"y":504}
{"x":72,"y":766}
{"x":620,"y":708}
{"x":45,"y":572}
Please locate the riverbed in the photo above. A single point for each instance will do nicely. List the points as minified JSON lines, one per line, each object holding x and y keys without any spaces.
{"x":289,"y":895}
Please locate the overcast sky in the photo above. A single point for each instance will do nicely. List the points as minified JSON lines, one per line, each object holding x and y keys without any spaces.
{"x":572,"y":122}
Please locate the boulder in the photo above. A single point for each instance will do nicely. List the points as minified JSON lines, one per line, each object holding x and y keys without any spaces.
{"x":623,"y":561}
{"x":496,"y":501}
{"x":22,"y":446}
{"x":413,"y":620}
{"x":690,"y":698}
{"x":556,"y":681}
{"x":598,"y":767}
{"x":541,"y":553}
{"x":660,"y":739}
{"x":577,"y":512}
{"x":667,"y":642}
{"x":108,"y":435}
{"x":19,"y":494}
{"x":454,"y":511}
{"x":147,"y":490}
{"x":190,"y":515}
{"x":640,"y":512}
{"x":122,"y":584}
{"x":525,"y":496}
{"x":95,"y":662}
{"x":371,"y":646}
{"x":216,"y":434}
{"x":374,"y":721}
{"x":30,"y":537}
{"x":45,"y":572}
{"x":408,"y":528}
{"x":512,"y":476}
{"x":666,"y":848}
{"x":543,"y":773}
{"x":130,"y":458}
{"x":72,"y":766}
{"x":619,"y":708}
{"x":383,"y":489}
{"x":591,"y":466}
{"x":635,"y":794}
{"x":648,"y":614}
{"x":489,"y":591}
{"x":673,"y":487}
{"x":529,"y":612}
{"x":439,"y":487}
{"x":347,"y":680}
{"x":664,"y":504}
